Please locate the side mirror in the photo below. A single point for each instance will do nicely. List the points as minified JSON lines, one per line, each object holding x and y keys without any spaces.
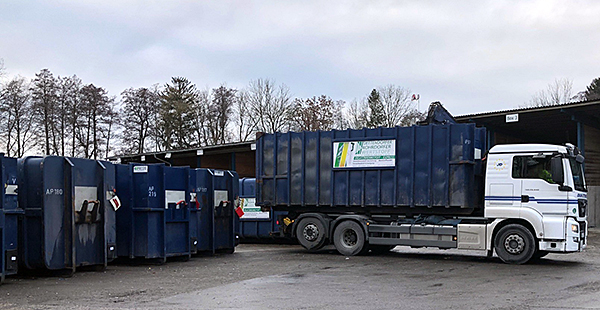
{"x":558,"y":176}
{"x":579,"y":158}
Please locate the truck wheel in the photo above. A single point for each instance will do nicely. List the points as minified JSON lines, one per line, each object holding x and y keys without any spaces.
{"x":310,"y":233}
{"x":349,"y":238}
{"x":514,"y":244}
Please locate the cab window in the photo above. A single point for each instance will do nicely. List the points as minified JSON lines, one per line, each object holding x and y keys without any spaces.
{"x":530,"y":167}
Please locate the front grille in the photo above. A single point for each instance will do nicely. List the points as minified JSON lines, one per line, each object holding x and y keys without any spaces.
{"x":582,"y":207}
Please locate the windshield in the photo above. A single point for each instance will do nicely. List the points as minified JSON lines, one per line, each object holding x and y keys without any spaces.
{"x":578,"y":180}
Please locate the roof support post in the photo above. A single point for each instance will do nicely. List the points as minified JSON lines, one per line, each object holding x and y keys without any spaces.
{"x":490,"y":137}
{"x":232,"y":160}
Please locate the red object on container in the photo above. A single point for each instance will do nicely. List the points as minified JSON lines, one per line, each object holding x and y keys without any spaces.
{"x":239,"y":212}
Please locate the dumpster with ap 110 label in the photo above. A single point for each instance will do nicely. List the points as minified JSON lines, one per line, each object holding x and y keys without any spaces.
{"x":154,"y":221}
{"x":256,"y":225}
{"x":214,"y":195}
{"x":68,"y":220}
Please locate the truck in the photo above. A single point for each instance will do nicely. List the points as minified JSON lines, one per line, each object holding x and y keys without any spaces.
{"x":434,"y":184}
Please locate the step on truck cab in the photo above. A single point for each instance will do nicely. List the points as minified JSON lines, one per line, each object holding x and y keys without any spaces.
{"x":431,"y":185}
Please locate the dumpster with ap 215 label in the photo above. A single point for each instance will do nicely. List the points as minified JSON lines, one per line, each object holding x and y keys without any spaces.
{"x":256,"y":225}
{"x":214,"y":195}
{"x":154,"y":220}
{"x":68,"y":221}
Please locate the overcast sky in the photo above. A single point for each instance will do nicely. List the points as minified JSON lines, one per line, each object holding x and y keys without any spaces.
{"x":473,"y":56}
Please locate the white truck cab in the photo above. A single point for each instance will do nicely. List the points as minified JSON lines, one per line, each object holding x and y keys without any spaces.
{"x":539,"y":187}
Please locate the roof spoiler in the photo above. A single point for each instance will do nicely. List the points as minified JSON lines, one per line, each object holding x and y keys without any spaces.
{"x":437,"y":115}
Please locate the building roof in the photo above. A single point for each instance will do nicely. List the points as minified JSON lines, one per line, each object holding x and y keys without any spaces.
{"x":569,"y":105}
{"x":212,"y":149}
{"x":555,"y":124}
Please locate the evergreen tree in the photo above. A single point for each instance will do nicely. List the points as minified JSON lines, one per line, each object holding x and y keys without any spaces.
{"x":593,"y":91}
{"x":376,"y":108}
{"x":176,"y":114}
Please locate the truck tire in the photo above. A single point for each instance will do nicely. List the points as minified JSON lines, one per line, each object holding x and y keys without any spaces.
{"x":349,"y":238}
{"x":310,"y":233}
{"x":514,"y":244}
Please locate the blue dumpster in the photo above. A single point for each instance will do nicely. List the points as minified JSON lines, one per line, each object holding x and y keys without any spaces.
{"x":68,"y":220}
{"x":403,"y":171}
{"x":2,"y":251}
{"x":154,"y":221}
{"x":214,"y":195}
{"x":255,"y":224}
{"x":11,"y":212}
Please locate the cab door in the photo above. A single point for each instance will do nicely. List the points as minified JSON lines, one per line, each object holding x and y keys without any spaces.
{"x":539,"y":193}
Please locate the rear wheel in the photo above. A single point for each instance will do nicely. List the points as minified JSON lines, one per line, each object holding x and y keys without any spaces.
{"x":514,"y":244}
{"x":349,"y":238}
{"x":310,"y":233}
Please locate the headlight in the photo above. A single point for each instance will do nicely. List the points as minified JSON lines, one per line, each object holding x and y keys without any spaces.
{"x":575,"y":228}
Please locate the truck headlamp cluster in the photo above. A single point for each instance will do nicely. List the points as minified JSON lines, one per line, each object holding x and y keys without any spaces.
{"x":575,"y":228}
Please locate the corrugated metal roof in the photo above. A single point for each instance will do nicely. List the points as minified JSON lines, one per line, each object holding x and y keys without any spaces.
{"x":530,"y":109}
{"x":208,"y":147}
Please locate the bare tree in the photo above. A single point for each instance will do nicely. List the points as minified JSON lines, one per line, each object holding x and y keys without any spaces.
{"x":396,"y":103}
{"x":223,"y":99}
{"x":44,"y":90}
{"x":66,"y":112}
{"x":357,"y":114}
{"x":243,"y":119}
{"x":202,"y":115}
{"x":140,"y":105}
{"x":316,"y":113}
{"x":110,"y":117}
{"x":70,"y":96}
{"x":270,"y":104}
{"x":558,"y":92}
{"x":412,"y":117}
{"x":95,"y":106}
{"x":16,"y":109}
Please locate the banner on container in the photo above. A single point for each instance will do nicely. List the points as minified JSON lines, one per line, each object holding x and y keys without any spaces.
{"x":251,"y":211}
{"x":359,"y":154}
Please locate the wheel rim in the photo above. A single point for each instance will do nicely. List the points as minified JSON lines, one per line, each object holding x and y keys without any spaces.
{"x":349,"y":238}
{"x":514,"y":244}
{"x":310,"y":232}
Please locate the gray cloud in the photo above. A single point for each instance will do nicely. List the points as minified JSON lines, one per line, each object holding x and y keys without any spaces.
{"x":471,"y":55}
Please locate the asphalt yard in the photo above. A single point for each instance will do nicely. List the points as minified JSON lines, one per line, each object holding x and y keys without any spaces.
{"x":271,"y":276}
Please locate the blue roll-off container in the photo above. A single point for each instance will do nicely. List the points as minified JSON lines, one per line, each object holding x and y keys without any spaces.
{"x":154,"y":220}
{"x":427,"y":169}
{"x":214,"y":194}
{"x":2,"y":251}
{"x":254,"y":225}
{"x":12,"y":212}
{"x":68,"y":221}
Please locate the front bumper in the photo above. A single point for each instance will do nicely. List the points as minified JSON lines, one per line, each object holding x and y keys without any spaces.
{"x":575,"y":241}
